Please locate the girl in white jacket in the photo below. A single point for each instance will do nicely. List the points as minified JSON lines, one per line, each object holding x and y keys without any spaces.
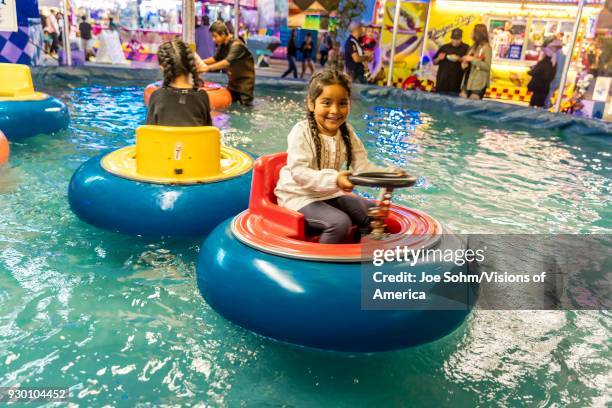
{"x":312,"y":181}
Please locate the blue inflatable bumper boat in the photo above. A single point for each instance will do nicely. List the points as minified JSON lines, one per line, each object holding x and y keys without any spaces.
{"x":176,"y":181}
{"x":263,"y":271}
{"x":25,"y":112}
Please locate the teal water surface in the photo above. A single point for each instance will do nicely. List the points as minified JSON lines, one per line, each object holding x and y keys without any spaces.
{"x":119,"y":319}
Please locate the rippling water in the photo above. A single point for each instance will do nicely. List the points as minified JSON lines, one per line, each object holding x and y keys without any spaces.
{"x":119,"y":319}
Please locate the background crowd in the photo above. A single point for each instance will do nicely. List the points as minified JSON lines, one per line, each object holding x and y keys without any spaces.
{"x":465,"y":70}
{"x":355,"y":56}
{"x":462,"y":69}
{"x":463,"y":65}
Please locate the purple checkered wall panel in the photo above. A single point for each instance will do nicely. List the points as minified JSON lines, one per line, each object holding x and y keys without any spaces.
{"x":16,"y":47}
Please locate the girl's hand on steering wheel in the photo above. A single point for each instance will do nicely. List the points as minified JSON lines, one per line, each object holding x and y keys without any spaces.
{"x":343,"y":182}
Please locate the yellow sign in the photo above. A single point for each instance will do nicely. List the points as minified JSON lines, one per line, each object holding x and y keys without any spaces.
{"x":409,"y":37}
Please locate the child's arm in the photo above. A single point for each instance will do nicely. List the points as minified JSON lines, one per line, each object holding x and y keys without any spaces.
{"x":214,"y":66}
{"x":301,"y":155}
{"x":200,"y":64}
{"x":151,"y":119}
{"x":205,"y":107}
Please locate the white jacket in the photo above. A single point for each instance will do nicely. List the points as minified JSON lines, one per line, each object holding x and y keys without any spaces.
{"x":301,"y":183}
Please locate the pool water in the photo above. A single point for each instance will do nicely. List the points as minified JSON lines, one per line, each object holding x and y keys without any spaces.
{"x":119,"y":320}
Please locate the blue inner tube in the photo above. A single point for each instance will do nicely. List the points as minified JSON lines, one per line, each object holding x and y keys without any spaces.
{"x":20,"y":119}
{"x":137,"y":208}
{"x":318,"y":304}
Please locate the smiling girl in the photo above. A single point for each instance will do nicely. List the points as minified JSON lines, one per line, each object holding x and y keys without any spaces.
{"x":312,"y":181}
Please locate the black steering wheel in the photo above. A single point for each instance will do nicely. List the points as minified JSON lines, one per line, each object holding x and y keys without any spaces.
{"x":382,"y":179}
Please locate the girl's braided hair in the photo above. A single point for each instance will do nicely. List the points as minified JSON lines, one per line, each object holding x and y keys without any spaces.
{"x":176,"y":59}
{"x":315,"y":87}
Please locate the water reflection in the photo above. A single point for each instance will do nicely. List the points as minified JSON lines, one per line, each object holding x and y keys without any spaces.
{"x":492,"y":179}
{"x":395,"y":133}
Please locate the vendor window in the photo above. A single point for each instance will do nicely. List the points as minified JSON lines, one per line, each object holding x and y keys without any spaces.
{"x":540,"y":30}
{"x":507,"y":37}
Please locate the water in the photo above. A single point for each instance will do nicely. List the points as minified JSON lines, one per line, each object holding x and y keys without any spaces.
{"x":119,"y":319}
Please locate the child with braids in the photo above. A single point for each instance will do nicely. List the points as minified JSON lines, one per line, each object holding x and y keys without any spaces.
{"x":312,"y":181}
{"x":179,"y":102}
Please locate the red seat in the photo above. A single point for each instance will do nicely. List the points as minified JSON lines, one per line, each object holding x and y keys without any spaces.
{"x":266,"y":171}
{"x":277,"y":230}
{"x":276,"y":219}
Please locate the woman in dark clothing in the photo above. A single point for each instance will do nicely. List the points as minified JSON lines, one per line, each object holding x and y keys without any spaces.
{"x":306,"y":50}
{"x":326,"y":46}
{"x":542,"y":75}
{"x":291,"y":55}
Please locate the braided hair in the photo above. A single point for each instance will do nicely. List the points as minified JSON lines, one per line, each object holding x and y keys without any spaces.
{"x":176,"y":58}
{"x":315,"y":87}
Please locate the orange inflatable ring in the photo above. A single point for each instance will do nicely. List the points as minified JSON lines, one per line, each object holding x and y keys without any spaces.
{"x":220,"y":98}
{"x":4,"y":149}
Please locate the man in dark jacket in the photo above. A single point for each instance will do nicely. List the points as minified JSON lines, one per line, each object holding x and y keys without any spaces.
{"x":448,"y":59}
{"x":354,"y":57}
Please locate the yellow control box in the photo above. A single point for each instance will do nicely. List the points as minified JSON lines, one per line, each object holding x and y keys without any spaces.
{"x":178,"y":152}
{"x":15,"y":81}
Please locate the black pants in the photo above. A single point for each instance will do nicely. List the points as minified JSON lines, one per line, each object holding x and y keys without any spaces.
{"x":54,"y":43}
{"x":292,"y":67}
{"x":538,"y":98}
{"x":336,"y":216}
{"x":241,"y":98}
{"x":324,"y":56}
{"x":359,"y":78}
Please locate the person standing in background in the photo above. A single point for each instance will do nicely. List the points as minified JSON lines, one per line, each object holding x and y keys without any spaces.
{"x":112,"y":26}
{"x":478,"y":63}
{"x":53,"y":29}
{"x":46,"y":37}
{"x":450,"y":73}
{"x":543,"y":73}
{"x":560,"y":63}
{"x":306,"y":49}
{"x":291,"y":55}
{"x":59,"y":17}
{"x":326,"y":46}
{"x":85,"y":32}
{"x":354,"y":57}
